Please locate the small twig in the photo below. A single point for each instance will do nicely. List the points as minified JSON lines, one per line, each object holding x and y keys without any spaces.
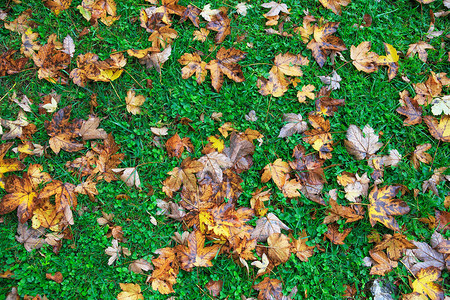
{"x":134,"y":79}
{"x":8,"y":91}
{"x":115,"y":90}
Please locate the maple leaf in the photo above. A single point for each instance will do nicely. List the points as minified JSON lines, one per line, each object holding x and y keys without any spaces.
{"x":241,"y":8}
{"x":176,"y":145}
{"x":108,"y":158}
{"x":29,"y":237}
{"x":259,"y":196}
{"x":335,"y":236}
{"x":226,"y":63}
{"x":90,"y":131}
{"x":57,"y":277}
{"x":425,"y":285}
{"x":261,"y":265}
{"x":277,"y":172}
{"x":10,"y":66}
{"x":323,"y":41}
{"x":105,"y":10}
{"x":129,"y":175}
{"x":220,"y":23}
{"x":162,"y":36}
{"x":269,"y":289}
{"x":332,"y":81}
{"x":207,"y":12}
{"x":279,"y":248}
{"x":420,"y":155}
{"x":441,"y":106}
{"x":307,"y":28}
{"x":336,"y":211}
{"x":335,"y":5}
{"x":130,"y":291}
{"x":195,"y":254}
{"x":193,"y":64}
{"x":200,"y":35}
{"x":22,"y":22}
{"x":383,"y":207}
{"x":29,"y":43}
{"x":284,"y":64}
{"x":327,"y":105}
{"x":164,"y":276}
{"x":50,"y":62}
{"x":8,"y":164}
{"x":156,"y":59}
{"x":62,"y":134}
{"x":214,"y":163}
{"x":185,"y":174}
{"x":308,"y":168}
{"x":363,"y":59}
{"x":275,"y":9}
{"x":411,"y":110}
{"x":115,"y":251}
{"x":134,"y":102}
{"x":390,"y":60}
{"x":307,"y":91}
{"x":425,"y":255}
{"x":359,"y":145}
{"x":266,"y":226}
{"x":191,"y":12}
{"x":426,"y":91}
{"x":65,"y":197}
{"x":140,"y":265}
{"x":57,"y":6}
{"x":300,"y":248}
{"x":15,"y":127}
{"x":22,"y":196}
{"x":24,"y":104}
{"x":440,"y":130}
{"x":383,"y":263}
{"x":295,"y":125}
{"x":47,"y":216}
{"x":395,"y":244}
{"x":170,"y":7}
{"x":419,"y":48}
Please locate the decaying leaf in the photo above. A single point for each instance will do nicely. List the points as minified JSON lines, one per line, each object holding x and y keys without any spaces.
{"x":359,"y":145}
{"x":226,"y":63}
{"x":440,"y":130}
{"x":363,"y":59}
{"x":295,"y":125}
{"x":324,"y":41}
{"x":390,"y":60}
{"x":335,"y":5}
{"x":266,"y":226}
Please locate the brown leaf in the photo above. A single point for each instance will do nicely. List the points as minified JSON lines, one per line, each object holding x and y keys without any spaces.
{"x":323,"y":41}
{"x":300,"y":248}
{"x":440,"y":130}
{"x":130,"y":291}
{"x":382,"y":264}
{"x":62,"y":133}
{"x":10,"y":66}
{"x":335,"y":236}
{"x":176,"y":145}
{"x":419,"y":48}
{"x":50,"y":62}
{"x":359,"y":145}
{"x":57,"y":277}
{"x":166,"y":270}
{"x":277,"y":172}
{"x":412,"y":111}
{"x":266,"y":226}
{"x":363,"y":59}
{"x":327,"y":105}
{"x":220,"y":23}
{"x":16,"y":127}
{"x":269,"y":289}
{"x":279,"y":248}
{"x":90,"y":131}
{"x":420,"y":155}
{"x":214,"y":287}
{"x":335,"y":5}
{"x":390,"y":60}
{"x":395,"y":244}
{"x":337,"y":211}
{"x":195,"y":254}
{"x":295,"y":125}
{"x":29,"y":237}
{"x":383,"y":207}
{"x":226,"y":63}
{"x":426,"y":91}
{"x":193,"y":65}
{"x":65,"y":197}
{"x":134,"y":102}
{"x":185,"y":174}
{"x":8,"y":164}
{"x":191,"y":12}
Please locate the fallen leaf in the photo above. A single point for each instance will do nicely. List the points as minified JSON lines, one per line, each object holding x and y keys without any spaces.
{"x":419,"y":48}
{"x":332,"y":81}
{"x":359,"y":145}
{"x":335,"y":5}
{"x":295,"y":125}
{"x":335,"y":236}
{"x":130,"y":291}
{"x":440,"y":130}
{"x":390,"y":60}
{"x":57,"y":277}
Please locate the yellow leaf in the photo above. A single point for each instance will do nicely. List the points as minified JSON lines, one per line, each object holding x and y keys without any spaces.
{"x":216,"y":143}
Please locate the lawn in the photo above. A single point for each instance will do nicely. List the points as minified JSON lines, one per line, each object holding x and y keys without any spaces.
{"x":332,"y":187}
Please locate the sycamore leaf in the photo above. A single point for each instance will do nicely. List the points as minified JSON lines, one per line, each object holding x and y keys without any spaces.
{"x":241,"y":8}
{"x":279,"y":248}
{"x":359,"y":145}
{"x":134,"y":102}
{"x":30,"y":43}
{"x":139,"y":266}
{"x":363,"y":59}
{"x":130,"y":291}
{"x":390,"y":60}
{"x":300,"y":248}
{"x":332,"y":81}
{"x":193,"y":65}
{"x":419,"y":48}
{"x":336,"y":211}
{"x":8,"y":164}
{"x":420,"y":155}
{"x":335,"y":236}
{"x":325,"y":104}
{"x":261,"y":265}
{"x":214,"y":163}
{"x":335,"y":5}
{"x":195,"y":254}
{"x":307,"y":91}
{"x":382,"y":264}
{"x":15,"y":127}
{"x":426,"y":91}
{"x":129,"y":175}
{"x":395,"y":244}
{"x":269,"y":289}
{"x":425,"y":283}
{"x":383,"y":207}
{"x":65,"y":197}
{"x":266,"y":226}
{"x":176,"y":145}
{"x":220,"y":23}
{"x":185,"y":174}
{"x":207,"y":12}
{"x":440,"y":130}
{"x":115,"y":251}
{"x":275,"y":9}
{"x":10,"y":66}
{"x":191,"y":12}
{"x":441,"y":106}
{"x":277,"y":172}
{"x":412,"y":111}
{"x":295,"y":125}
{"x":200,"y":35}
{"x":21,"y":195}
{"x":323,"y":41}
{"x":166,"y":270}
{"x":226,"y":63}
{"x":29,"y":237}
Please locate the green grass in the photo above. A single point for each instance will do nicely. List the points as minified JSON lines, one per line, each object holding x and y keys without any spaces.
{"x":370,"y":99}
